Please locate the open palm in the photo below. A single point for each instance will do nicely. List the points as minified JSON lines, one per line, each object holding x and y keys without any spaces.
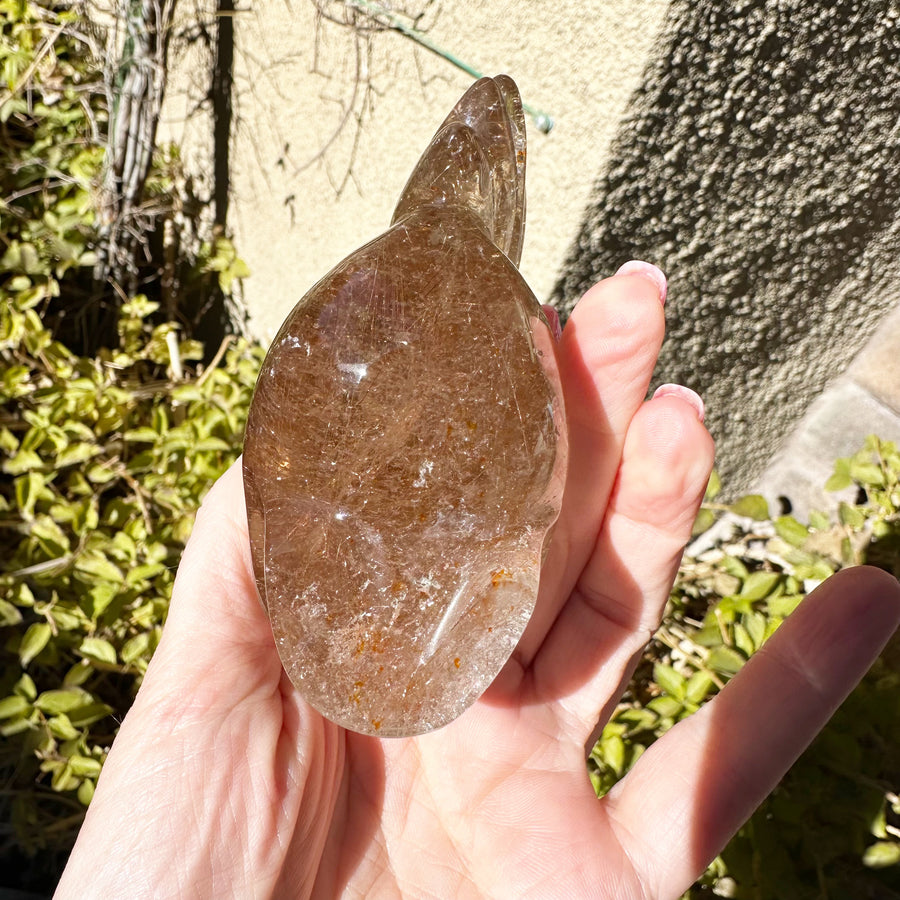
{"x":224,"y":783}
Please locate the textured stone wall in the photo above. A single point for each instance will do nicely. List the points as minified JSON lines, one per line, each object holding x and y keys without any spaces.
{"x":759,"y":164}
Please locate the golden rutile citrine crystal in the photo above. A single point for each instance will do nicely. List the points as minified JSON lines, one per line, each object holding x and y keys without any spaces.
{"x":406,"y":448}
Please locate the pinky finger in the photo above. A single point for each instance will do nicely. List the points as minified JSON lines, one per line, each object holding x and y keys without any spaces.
{"x":695,"y":786}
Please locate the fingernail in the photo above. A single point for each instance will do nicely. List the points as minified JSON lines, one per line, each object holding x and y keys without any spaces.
{"x":683,"y":393}
{"x":553,"y":320}
{"x":648,"y":270}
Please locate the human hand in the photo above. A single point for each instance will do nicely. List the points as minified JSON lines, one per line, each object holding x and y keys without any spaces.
{"x":224,"y":783}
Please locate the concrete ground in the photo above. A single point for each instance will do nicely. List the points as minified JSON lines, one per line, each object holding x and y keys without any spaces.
{"x":864,"y":400}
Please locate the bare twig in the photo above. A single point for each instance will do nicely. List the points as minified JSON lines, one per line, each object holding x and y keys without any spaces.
{"x":135,"y":88}
{"x":226,"y":343}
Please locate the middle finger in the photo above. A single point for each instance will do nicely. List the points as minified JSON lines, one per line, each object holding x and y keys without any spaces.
{"x":606,"y":357}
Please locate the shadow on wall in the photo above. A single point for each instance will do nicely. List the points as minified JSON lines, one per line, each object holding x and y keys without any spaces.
{"x":759,"y":165}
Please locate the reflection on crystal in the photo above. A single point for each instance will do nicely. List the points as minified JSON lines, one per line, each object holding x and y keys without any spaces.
{"x":355,"y":371}
{"x":405,"y":451}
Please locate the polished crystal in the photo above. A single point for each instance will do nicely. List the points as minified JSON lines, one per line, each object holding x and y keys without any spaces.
{"x":405,"y":451}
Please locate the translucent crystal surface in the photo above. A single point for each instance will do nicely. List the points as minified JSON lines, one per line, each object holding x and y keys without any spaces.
{"x":405,"y":451}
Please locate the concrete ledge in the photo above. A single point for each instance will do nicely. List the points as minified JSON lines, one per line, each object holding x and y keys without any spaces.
{"x":836,"y":425}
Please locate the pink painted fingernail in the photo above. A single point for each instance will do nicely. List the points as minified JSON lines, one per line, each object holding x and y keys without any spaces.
{"x":553,"y":319}
{"x":683,"y":393}
{"x":648,"y":270}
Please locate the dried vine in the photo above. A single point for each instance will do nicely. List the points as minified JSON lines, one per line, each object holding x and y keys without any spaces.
{"x":135,"y":88}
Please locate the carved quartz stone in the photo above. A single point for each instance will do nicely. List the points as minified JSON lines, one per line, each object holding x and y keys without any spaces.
{"x":406,"y":449}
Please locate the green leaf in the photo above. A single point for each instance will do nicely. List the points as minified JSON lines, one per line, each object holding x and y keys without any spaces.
{"x":666,"y":706}
{"x":101,"y":595}
{"x":141,"y":435}
{"x":99,"y":650}
{"x":61,"y":701}
{"x":62,"y":728}
{"x":25,"y":687}
{"x":33,"y":641}
{"x":725,"y":660}
{"x":819,"y":520}
{"x":637,"y":719}
{"x":713,"y":486}
{"x":123,"y":549}
{"x":53,"y":540}
{"x":190,"y":349}
{"x":212,"y":444}
{"x":89,"y":713}
{"x":86,"y":792}
{"x":8,"y":442}
{"x":76,"y":453}
{"x":840,"y":481}
{"x":784,"y":605}
{"x":851,"y":516}
{"x":755,"y":623}
{"x":66,"y":618}
{"x":20,"y":594}
{"x":9,"y":614}
{"x":613,"y":750}
{"x":17,"y":726}
{"x":85,"y":765}
{"x":28,"y":489}
{"x":99,"y":473}
{"x":13,"y":706}
{"x":759,"y":585}
{"x":753,"y":506}
{"x":96,"y":565}
{"x":78,"y":674}
{"x":882,"y":854}
{"x":742,"y":640}
{"x":134,"y":649}
{"x":817,"y":570}
{"x":705,"y":520}
{"x":23,"y":461}
{"x":733,"y":566}
{"x":63,"y":779}
{"x":177,"y":440}
{"x":187,"y":393}
{"x":792,"y":531}
{"x":139,"y":307}
{"x":698,"y":687}
{"x":866,"y":473}
{"x":672,"y":682}
{"x":136,"y":574}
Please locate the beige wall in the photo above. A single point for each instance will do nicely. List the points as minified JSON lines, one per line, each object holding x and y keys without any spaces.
{"x":577,"y":61}
{"x":754,"y":165}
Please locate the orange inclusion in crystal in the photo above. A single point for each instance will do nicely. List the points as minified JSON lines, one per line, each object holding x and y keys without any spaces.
{"x":498,"y":576}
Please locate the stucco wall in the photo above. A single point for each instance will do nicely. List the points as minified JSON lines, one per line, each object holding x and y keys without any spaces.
{"x":580,"y":62}
{"x":759,"y":163}
{"x":752,"y":149}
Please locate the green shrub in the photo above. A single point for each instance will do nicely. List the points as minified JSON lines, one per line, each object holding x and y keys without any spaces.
{"x":50,"y":152}
{"x":832,"y":827}
{"x":105,"y":457}
{"x":53,"y":121}
{"x":106,"y":460}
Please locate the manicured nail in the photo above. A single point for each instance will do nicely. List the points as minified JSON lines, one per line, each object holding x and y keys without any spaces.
{"x":683,"y":393}
{"x":648,"y":270}
{"x":553,"y":319}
